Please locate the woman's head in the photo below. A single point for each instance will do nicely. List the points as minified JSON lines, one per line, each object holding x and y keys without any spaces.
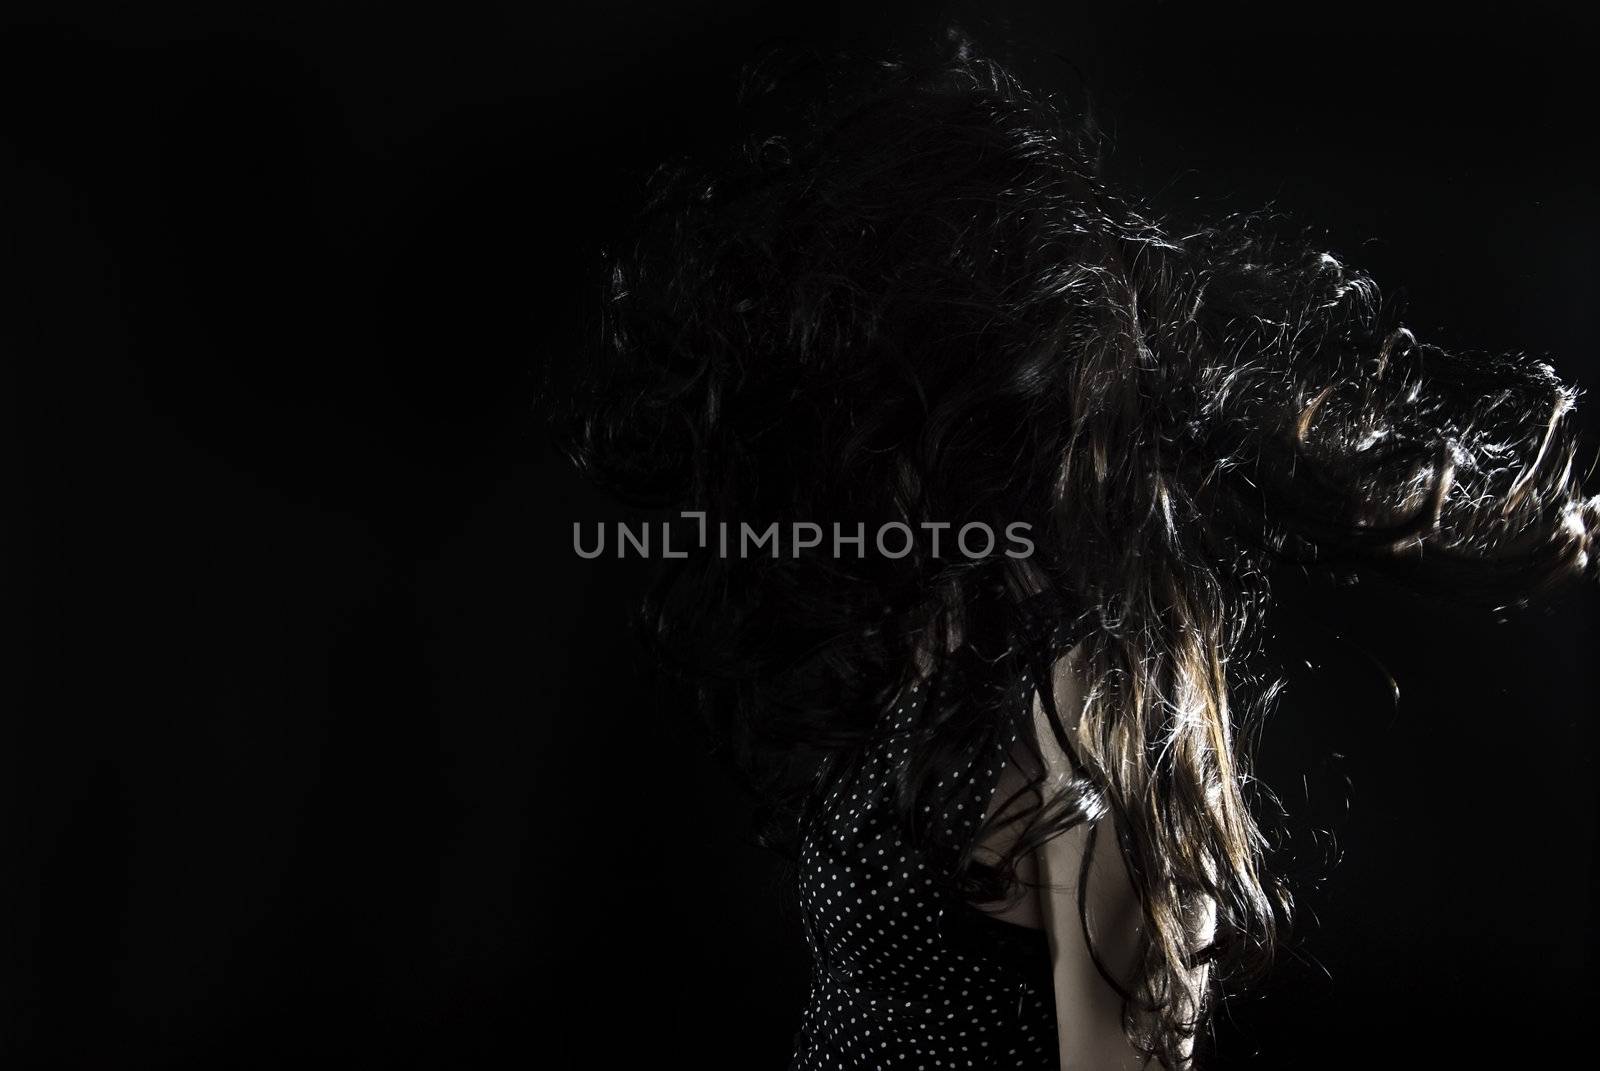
{"x":918,"y":304}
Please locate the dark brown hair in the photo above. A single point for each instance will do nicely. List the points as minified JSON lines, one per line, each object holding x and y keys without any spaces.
{"x":920,"y":304}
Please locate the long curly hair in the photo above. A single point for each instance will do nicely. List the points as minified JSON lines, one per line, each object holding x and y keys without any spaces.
{"x":910,"y":298}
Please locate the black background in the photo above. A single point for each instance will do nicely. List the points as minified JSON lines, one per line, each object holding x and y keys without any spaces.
{"x":320,"y":744}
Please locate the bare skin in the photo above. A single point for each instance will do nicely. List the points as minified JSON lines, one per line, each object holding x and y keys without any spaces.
{"x":1088,"y":1009}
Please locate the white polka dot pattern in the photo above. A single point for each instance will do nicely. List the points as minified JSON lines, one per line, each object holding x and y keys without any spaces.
{"x":898,"y":980}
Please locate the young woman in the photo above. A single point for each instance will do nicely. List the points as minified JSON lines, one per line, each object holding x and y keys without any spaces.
{"x":1010,"y":770}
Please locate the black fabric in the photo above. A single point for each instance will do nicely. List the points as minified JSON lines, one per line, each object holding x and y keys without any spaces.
{"x":905,"y":973}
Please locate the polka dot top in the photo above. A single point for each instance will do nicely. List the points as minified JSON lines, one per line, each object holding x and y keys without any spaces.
{"x":906,"y":973}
